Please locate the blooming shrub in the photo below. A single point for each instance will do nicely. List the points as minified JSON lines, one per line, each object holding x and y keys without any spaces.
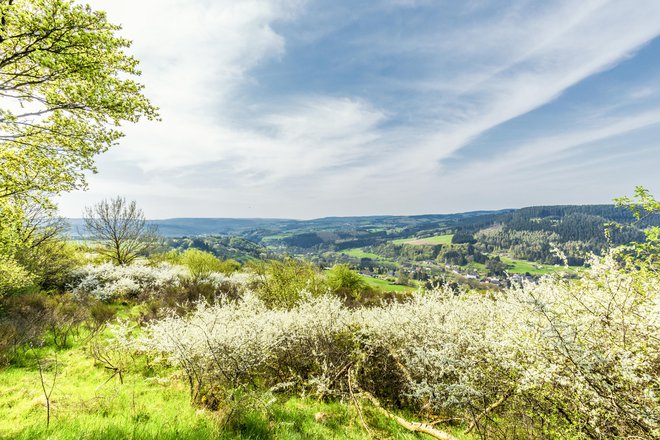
{"x":447,"y":347}
{"x":562,"y":357}
{"x":243,"y":342}
{"x":220,"y":281}
{"x":107,"y":281}
{"x":588,"y":350}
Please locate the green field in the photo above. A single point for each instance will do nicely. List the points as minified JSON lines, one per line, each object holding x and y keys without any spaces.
{"x":360,"y":253}
{"x":386,"y":286}
{"x":155,"y":404}
{"x":480,"y":267}
{"x":523,"y":266}
{"x":274,"y":237}
{"x":437,"y":239}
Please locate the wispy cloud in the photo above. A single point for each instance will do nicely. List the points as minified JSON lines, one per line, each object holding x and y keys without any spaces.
{"x":306,"y":108}
{"x":537,"y":62}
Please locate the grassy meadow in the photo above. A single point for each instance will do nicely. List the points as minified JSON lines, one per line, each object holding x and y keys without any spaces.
{"x":88,"y":402}
{"x":361,"y":253}
{"x":523,"y":267}
{"x":386,"y":286}
{"x":437,"y":239}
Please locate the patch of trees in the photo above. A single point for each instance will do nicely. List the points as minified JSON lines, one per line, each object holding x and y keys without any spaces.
{"x":305,"y":241}
{"x":460,"y":255}
{"x":408,"y":252}
{"x":496,"y":266}
{"x":223,"y":247}
{"x":351,"y":244}
{"x":461,"y":237}
{"x":537,"y":233}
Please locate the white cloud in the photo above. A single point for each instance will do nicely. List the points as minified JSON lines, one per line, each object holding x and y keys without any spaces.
{"x":305,"y":153}
{"x":539,"y":58}
{"x":528,"y":157}
{"x":196,"y":57}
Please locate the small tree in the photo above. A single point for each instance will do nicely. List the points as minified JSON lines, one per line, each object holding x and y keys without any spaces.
{"x":643,"y":206}
{"x":345,"y":282}
{"x":283,"y":283}
{"x":201,"y":263}
{"x":121,"y":229}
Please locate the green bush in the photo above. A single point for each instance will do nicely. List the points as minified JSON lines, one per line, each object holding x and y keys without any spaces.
{"x":13,"y":276}
{"x":202,"y":263}
{"x":345,"y":283}
{"x":51,"y":263}
{"x":282,"y":283}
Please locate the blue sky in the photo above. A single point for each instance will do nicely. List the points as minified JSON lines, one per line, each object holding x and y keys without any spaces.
{"x":303,"y":109}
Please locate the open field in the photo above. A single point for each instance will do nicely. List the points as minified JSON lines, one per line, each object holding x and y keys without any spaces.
{"x":361,"y":253}
{"x":386,"y":286}
{"x":150,"y":404}
{"x":438,"y":239}
{"x":479,"y":267}
{"x":275,"y":237}
{"x":523,"y":266}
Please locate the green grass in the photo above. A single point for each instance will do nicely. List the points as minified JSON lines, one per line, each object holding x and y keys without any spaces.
{"x":437,"y":239}
{"x":360,"y":253}
{"x":479,"y":267}
{"x":523,"y":266}
{"x":386,"y":286}
{"x":85,"y":405}
{"x":274,"y":237}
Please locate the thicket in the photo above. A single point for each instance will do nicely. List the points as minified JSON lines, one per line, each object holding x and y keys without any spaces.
{"x":225,"y":248}
{"x":577,"y":357}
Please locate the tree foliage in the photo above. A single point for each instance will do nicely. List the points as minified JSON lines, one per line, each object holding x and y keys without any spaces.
{"x":646,"y":210}
{"x":66,"y":87}
{"x":283,"y":283}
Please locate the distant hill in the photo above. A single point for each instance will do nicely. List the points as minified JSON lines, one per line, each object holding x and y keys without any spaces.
{"x":194,"y":227}
{"x":531,"y":233}
{"x":534,"y":233}
{"x":525,"y":232}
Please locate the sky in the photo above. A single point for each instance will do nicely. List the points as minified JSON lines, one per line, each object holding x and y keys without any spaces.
{"x":310,"y":108}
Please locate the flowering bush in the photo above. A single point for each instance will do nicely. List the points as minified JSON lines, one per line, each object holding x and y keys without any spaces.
{"x":588,"y":350}
{"x":227,"y":345}
{"x":577,"y":357}
{"x":240,"y":280}
{"x":107,"y":281}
